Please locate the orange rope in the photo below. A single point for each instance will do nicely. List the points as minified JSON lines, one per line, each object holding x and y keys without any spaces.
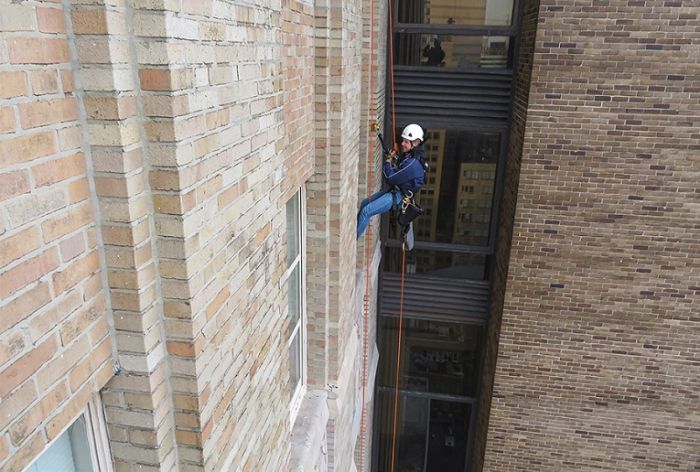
{"x":399,"y":337}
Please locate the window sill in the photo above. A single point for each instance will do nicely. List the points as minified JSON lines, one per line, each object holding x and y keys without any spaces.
{"x":309,"y":433}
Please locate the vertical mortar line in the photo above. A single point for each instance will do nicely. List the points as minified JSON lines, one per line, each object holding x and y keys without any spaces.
{"x":141,"y":117}
{"x":79,"y":92}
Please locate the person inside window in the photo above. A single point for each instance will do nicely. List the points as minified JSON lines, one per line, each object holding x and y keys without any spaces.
{"x":434,"y":53}
{"x":403,"y":174}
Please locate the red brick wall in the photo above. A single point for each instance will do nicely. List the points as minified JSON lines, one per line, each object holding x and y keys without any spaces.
{"x":598,"y":365}
{"x":55,"y":352}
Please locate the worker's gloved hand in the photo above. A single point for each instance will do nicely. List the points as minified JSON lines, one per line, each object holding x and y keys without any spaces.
{"x":391,"y":156}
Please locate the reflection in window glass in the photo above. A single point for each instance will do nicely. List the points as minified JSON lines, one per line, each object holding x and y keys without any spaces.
{"x":293,"y":301}
{"x":456,"y":12}
{"x":412,"y":432}
{"x":437,"y":263}
{"x":458,"y":194}
{"x":292,"y":230}
{"x":295,"y":362}
{"x":452,"y":51}
{"x":437,"y":356}
{"x":432,"y":434}
{"x":447,"y":444}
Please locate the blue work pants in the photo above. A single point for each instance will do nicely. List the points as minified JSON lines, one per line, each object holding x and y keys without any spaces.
{"x":380,"y":202}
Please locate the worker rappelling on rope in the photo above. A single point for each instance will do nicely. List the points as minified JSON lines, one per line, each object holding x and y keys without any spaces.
{"x":404,"y":174}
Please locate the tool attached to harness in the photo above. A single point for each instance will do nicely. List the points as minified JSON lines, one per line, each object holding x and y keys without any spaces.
{"x":409,"y":210}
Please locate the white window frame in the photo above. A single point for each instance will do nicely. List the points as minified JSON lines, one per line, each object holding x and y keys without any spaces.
{"x":96,"y":426}
{"x":97,"y":439}
{"x":300,"y":328}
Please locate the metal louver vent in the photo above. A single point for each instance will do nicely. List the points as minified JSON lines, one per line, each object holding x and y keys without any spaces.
{"x":452,"y":94}
{"x":428,"y":297}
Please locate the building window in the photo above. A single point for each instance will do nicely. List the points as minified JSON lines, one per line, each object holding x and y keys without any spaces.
{"x":451,"y":35}
{"x":462,"y":177}
{"x":453,"y":51}
{"x":438,"y":381}
{"x":456,"y":12}
{"x":83,"y":447}
{"x":295,"y":280}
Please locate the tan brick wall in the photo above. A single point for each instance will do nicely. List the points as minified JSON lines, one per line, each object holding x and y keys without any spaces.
{"x":211,"y":86}
{"x":597,"y":366}
{"x":55,"y":348}
{"x":138,"y":406}
{"x":318,"y":217}
{"x":342,"y":118}
{"x":200,"y":120}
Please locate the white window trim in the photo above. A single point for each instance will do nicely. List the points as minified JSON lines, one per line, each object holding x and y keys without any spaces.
{"x":97,"y":436}
{"x":96,"y":430}
{"x":300,"y":392}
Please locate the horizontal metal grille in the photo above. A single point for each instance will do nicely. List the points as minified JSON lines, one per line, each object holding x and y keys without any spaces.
{"x":451,"y":94}
{"x":433,"y":297}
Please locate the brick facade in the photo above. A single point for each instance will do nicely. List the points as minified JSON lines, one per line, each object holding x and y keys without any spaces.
{"x":528,"y":30}
{"x":147,"y":150}
{"x":55,"y":343}
{"x":597,"y":367}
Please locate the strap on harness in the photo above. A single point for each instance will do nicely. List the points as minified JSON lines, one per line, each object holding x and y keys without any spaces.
{"x":406,"y":200}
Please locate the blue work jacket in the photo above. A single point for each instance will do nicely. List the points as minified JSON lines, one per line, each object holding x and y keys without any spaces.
{"x":408,"y":174}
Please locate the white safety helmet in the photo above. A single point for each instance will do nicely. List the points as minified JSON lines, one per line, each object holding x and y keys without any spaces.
{"x":412,"y":132}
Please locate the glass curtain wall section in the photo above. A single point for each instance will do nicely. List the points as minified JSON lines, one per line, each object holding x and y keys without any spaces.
{"x":454,"y":33}
{"x":453,"y":69}
{"x":452,"y":50}
{"x":459,"y":190}
{"x":438,"y":382}
{"x":456,"y":235}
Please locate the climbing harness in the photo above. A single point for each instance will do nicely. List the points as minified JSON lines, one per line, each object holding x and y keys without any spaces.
{"x":409,"y":210}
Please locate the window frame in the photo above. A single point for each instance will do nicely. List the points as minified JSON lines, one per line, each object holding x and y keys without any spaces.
{"x":300,"y":327}
{"x":471,"y":400}
{"x":457,"y":29}
{"x":511,"y":31}
{"x":489,"y":248}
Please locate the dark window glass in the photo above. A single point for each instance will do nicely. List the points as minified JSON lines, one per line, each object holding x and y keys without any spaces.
{"x":431,"y":434}
{"x":458,"y":194}
{"x":411,"y":432}
{"x":436,"y":356}
{"x":453,"y":51}
{"x":456,"y":12}
{"x":437,"y":263}
{"x":447,"y":442}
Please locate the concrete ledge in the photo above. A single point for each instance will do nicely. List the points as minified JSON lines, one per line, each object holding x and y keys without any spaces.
{"x":309,"y":433}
